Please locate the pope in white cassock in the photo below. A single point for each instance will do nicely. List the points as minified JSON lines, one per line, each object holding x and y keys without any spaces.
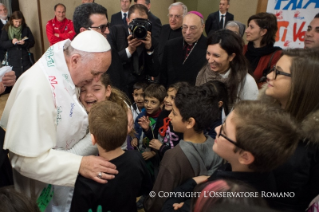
{"x":46,"y":127}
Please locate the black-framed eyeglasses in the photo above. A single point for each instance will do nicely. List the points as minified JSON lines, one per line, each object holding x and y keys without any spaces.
{"x":277,"y":72}
{"x":228,"y":139}
{"x":102,"y":27}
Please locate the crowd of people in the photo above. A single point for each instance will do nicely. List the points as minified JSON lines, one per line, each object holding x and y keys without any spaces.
{"x":117,"y":110}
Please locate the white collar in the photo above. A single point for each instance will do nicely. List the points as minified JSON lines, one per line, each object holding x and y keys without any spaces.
{"x":226,"y":74}
{"x":222,"y":14}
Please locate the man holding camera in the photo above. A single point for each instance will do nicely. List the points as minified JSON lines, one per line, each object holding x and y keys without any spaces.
{"x":134,"y":46}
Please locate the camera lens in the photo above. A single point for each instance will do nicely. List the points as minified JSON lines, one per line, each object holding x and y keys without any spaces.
{"x":140,"y":32}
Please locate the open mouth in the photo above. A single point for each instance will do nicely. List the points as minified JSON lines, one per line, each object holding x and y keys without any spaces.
{"x":90,"y":102}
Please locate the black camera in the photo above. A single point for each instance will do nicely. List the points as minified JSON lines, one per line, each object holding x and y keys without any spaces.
{"x":139,"y":28}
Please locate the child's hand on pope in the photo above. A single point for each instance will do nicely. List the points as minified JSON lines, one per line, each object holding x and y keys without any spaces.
{"x":148,"y":155}
{"x":144,"y":122}
{"x":134,"y":142}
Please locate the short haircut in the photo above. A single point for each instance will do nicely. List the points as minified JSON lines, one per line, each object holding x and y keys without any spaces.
{"x":59,"y":4}
{"x":13,"y":201}
{"x":228,"y":1}
{"x":266,"y":21}
{"x":200,"y":103}
{"x":177,"y":85}
{"x":140,"y":85}
{"x":146,"y":1}
{"x":140,"y":8}
{"x":81,"y":16}
{"x":108,"y":124}
{"x":185,"y":10}
{"x":317,"y":15}
{"x":268,"y":133}
{"x":155,"y":90}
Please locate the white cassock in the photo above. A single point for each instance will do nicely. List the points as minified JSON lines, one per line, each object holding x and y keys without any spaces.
{"x":45,"y":128}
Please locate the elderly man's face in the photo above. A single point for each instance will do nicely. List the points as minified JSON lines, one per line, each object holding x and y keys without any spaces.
{"x":87,"y":1}
{"x":175,"y":16}
{"x":87,"y":70}
{"x":312,"y":34}
{"x":99,"y":20}
{"x":192,"y":28}
{"x":3,"y":12}
{"x":125,"y":5}
{"x":60,"y":13}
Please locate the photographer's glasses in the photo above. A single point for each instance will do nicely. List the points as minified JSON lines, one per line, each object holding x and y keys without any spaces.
{"x":277,"y":72}
{"x":102,"y":27}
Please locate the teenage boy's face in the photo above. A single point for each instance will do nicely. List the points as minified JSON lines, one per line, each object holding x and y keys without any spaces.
{"x":138,"y":96}
{"x":94,"y":92}
{"x":222,"y":146}
{"x":151,"y":104}
{"x":177,"y":120}
{"x":169,"y":99}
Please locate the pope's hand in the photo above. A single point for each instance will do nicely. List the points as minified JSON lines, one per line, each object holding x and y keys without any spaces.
{"x":91,"y":166}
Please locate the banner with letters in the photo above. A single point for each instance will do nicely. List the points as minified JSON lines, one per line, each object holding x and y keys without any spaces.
{"x":293,"y":18}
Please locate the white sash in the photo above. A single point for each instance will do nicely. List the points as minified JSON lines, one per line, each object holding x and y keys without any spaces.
{"x":71,"y":120}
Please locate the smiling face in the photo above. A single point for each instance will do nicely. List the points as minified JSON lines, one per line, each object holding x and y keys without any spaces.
{"x":169,"y":99}
{"x":3,"y":12}
{"x":59,"y":13}
{"x":175,"y":16}
{"x":192,"y":28}
{"x":151,"y":104}
{"x":280,"y":87}
{"x":222,"y":146}
{"x":17,"y":22}
{"x":94,"y":92}
{"x":138,"y":96}
{"x":312,"y":34}
{"x":218,"y":59}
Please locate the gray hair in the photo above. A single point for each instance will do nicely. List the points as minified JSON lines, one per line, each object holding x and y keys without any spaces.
{"x":1,"y":4}
{"x":241,"y":27}
{"x":185,"y":10}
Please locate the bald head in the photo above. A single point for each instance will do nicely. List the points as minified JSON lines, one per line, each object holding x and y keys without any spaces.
{"x":193,"y":27}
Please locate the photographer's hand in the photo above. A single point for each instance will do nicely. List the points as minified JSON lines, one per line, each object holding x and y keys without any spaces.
{"x":133,"y":43}
{"x":148,"y":41}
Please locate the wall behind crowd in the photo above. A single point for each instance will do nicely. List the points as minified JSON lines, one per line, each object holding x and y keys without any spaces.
{"x":242,"y":10}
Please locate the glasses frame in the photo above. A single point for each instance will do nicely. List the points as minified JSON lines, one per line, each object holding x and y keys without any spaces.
{"x":228,"y":139}
{"x":102,"y":27}
{"x":277,"y":72}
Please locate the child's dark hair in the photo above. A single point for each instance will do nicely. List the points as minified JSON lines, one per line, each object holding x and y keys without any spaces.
{"x":200,"y":103}
{"x":269,"y":133}
{"x":108,"y":124}
{"x":177,"y":85}
{"x":155,"y":90}
{"x":12,"y":201}
{"x":140,"y":85}
{"x":220,"y":89}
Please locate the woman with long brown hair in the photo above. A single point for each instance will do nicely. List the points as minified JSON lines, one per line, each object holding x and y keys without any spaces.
{"x":17,"y":39}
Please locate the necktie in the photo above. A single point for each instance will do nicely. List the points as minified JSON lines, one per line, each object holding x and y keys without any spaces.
{"x":221,"y":22}
{"x":124,"y":19}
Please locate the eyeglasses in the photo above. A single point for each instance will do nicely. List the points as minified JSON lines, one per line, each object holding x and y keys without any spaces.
{"x":277,"y":72}
{"x":228,"y":139}
{"x":174,"y":16}
{"x":102,"y":27}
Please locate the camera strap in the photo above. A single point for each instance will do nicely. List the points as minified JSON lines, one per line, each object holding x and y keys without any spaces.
{"x":189,"y":51}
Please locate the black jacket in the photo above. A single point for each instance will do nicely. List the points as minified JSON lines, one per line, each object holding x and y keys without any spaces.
{"x":212,"y":22}
{"x":18,"y":54}
{"x":118,"y":40}
{"x":116,"y":19}
{"x":156,"y":27}
{"x":2,"y":50}
{"x":172,"y":68}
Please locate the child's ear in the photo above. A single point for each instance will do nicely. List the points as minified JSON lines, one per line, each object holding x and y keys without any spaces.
{"x":190,"y":123}
{"x":220,"y":104}
{"x":93,"y":139}
{"x":108,"y":91}
{"x":246,"y":158}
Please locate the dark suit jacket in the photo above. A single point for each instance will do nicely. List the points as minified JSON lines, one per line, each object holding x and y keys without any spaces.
{"x":164,"y":37}
{"x":173,"y":70}
{"x":212,"y":22}
{"x":118,"y":40}
{"x":2,"y":50}
{"x":116,"y":19}
{"x":156,"y":27}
